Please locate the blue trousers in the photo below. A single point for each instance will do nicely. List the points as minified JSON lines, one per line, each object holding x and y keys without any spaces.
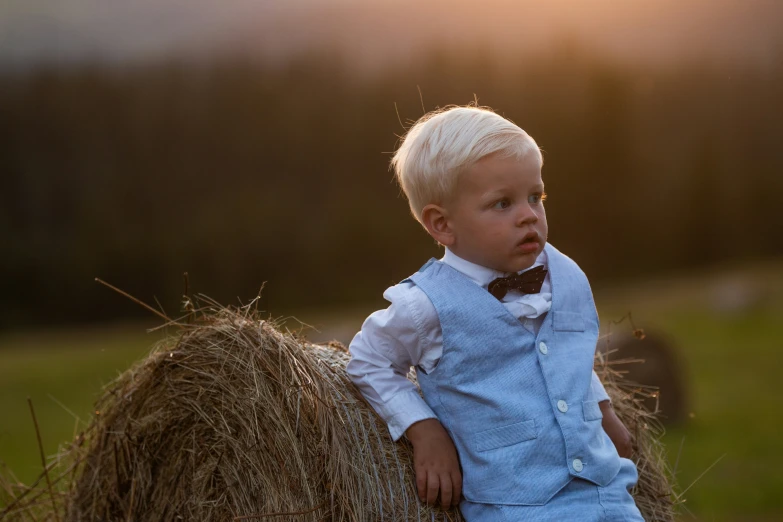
{"x":578,"y":501}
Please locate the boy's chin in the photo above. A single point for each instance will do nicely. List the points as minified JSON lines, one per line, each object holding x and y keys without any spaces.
{"x":515,"y":266}
{"x":509,"y":264}
{"x":522,"y":262}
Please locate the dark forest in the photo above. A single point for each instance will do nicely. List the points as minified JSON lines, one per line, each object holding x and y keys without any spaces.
{"x":243,"y":173}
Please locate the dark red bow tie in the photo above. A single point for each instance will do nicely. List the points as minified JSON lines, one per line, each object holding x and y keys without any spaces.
{"x":527,"y":282}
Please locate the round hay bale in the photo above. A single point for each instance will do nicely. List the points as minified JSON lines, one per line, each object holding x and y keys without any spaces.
{"x":238,"y":419}
{"x":233,"y":419}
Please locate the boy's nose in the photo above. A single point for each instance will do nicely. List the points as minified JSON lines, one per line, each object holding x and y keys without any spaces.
{"x":526,"y":215}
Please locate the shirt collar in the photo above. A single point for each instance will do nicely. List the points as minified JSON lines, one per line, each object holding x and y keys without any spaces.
{"x":482,"y":275}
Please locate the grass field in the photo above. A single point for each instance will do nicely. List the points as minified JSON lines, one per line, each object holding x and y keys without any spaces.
{"x":727,"y":328}
{"x":729,"y":346}
{"x":62,"y":371}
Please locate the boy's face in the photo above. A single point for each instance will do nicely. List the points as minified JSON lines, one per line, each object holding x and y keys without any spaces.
{"x":496,"y":216}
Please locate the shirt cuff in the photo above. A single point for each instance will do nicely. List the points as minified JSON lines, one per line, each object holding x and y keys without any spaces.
{"x":598,"y":389}
{"x":405,"y":409}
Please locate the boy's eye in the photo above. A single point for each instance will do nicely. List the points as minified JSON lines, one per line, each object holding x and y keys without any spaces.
{"x":536,"y":198}
{"x":501,"y":204}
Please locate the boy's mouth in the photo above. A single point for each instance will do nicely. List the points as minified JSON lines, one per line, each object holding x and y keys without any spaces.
{"x":529,"y":243}
{"x":530,"y":237}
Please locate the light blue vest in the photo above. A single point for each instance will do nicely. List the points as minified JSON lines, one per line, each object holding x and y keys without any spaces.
{"x":519,"y":407}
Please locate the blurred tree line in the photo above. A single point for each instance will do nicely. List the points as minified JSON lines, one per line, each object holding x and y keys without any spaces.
{"x":242,"y":173}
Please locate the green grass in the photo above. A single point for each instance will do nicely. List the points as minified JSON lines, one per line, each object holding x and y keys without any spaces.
{"x":732,"y":361}
{"x":733,"y":366}
{"x":66,"y":366}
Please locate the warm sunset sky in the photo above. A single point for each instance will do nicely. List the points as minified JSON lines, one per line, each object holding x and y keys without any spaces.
{"x":32,"y":31}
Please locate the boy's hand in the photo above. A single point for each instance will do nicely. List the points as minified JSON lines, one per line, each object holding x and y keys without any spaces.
{"x":435,"y":462}
{"x":616,"y":430}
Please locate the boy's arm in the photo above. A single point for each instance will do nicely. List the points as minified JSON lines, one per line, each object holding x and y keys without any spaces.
{"x":382,"y":353}
{"x":389,"y":343}
{"x":616,"y":430}
{"x":613,"y":426}
{"x":380,"y":359}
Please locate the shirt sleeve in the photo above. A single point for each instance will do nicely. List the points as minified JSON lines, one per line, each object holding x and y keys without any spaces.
{"x":389,"y":343}
{"x":599,"y":392}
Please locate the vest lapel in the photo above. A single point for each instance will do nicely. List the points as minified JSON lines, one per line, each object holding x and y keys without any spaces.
{"x":555,"y":267}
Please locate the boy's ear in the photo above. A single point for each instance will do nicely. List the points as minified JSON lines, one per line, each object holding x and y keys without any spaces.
{"x":436,"y":220}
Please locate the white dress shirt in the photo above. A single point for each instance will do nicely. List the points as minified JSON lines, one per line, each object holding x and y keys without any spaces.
{"x":408,"y":333}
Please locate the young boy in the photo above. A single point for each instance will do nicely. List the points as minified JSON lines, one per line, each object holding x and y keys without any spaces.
{"x":513,"y":417}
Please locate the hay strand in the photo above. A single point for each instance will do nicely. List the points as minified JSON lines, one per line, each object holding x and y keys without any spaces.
{"x":43,"y":460}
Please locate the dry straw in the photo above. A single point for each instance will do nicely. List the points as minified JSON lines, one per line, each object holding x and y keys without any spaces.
{"x":234,"y":419}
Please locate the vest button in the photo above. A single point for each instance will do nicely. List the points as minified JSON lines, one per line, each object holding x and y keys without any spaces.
{"x":542,"y":348}
{"x":578,"y":466}
{"x":562,"y":406}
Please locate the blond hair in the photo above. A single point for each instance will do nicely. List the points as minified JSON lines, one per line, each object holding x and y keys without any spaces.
{"x":444,"y":143}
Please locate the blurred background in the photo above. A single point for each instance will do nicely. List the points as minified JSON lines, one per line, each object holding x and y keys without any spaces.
{"x":247,"y":143}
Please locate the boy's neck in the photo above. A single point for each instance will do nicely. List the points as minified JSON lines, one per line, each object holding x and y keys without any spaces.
{"x":479,"y":273}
